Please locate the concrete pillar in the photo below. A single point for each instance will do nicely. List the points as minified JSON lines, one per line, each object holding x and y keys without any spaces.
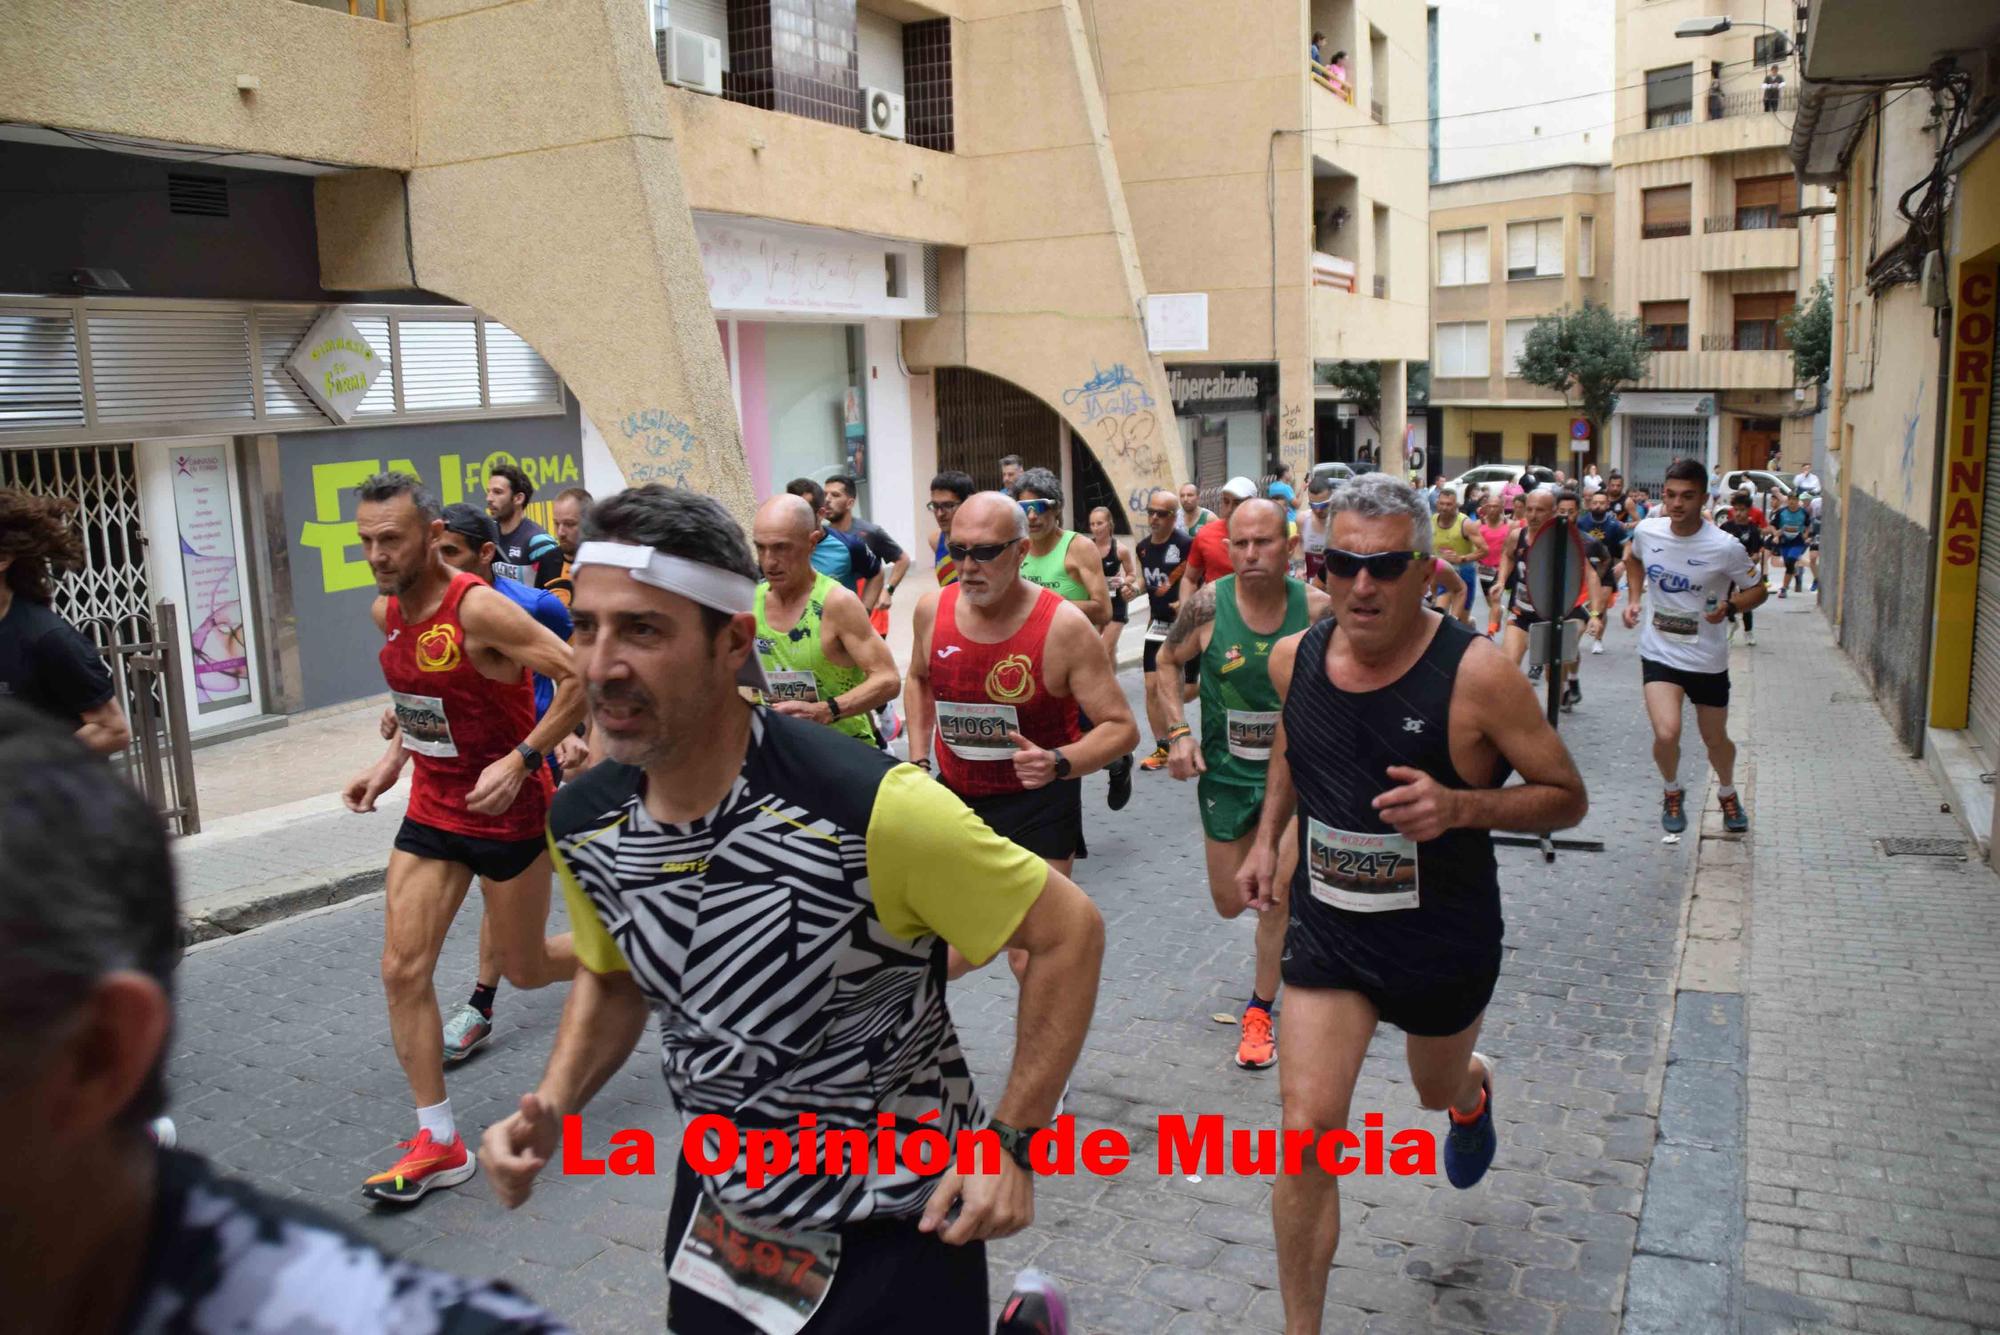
{"x":1395,"y":414}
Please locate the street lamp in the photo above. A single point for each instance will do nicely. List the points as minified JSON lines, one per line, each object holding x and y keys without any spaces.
{"x":1715,"y":26}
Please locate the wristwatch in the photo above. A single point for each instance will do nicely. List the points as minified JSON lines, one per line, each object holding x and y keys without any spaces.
{"x":1062,"y":764}
{"x":832,"y":708}
{"x":1015,"y":1140}
{"x":531,"y":759}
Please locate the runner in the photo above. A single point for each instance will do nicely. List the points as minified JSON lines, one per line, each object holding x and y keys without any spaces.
{"x":1398,"y":727}
{"x":772,"y":893}
{"x":44,"y":661}
{"x":1228,"y":627}
{"x":1121,"y":578}
{"x":457,"y":658}
{"x":948,"y":491}
{"x":1604,"y":565}
{"x":568,"y":509}
{"x":1193,"y":516}
{"x":1493,"y":531}
{"x":1066,"y":562}
{"x":1741,"y":524}
{"x":1162,"y":563}
{"x":841,"y":493}
{"x":853,"y":565}
{"x":1812,"y":546}
{"x":1791,"y":529}
{"x":1209,"y":557}
{"x":825,"y":663}
{"x":1540,"y":510}
{"x":528,"y":554}
{"x":1313,"y":525}
{"x":1459,"y":541}
{"x":1684,"y":567}
{"x":106,"y":1231}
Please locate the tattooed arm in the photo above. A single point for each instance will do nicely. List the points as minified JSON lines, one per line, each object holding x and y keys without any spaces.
{"x":1186,"y":641}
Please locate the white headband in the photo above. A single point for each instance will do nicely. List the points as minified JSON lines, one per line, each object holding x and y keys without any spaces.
{"x":711,"y":586}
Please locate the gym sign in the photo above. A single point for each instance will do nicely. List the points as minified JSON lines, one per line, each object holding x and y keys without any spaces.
{"x":335,"y":365}
{"x":1973,"y":315}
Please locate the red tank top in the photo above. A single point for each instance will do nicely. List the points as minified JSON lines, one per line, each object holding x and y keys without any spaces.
{"x":456,"y":722}
{"x":985,"y":691}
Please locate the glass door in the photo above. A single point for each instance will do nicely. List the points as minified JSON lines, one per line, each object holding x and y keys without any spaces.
{"x":194,"y":525}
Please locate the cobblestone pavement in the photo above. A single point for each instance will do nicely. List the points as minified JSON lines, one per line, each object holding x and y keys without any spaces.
{"x":1874,"y":1174}
{"x":283,"y":1072}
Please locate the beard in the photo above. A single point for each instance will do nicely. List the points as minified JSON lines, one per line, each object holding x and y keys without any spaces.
{"x":649,"y":742}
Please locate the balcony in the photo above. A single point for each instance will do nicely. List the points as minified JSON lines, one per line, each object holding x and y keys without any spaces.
{"x":1663,"y":230}
{"x":1719,"y":368}
{"x":1750,"y":102}
{"x":1334,"y":272}
{"x":1334,"y":79}
{"x":1727,"y":247}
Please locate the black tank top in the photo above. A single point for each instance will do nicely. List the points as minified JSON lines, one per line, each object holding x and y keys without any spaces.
{"x":1352,"y":893}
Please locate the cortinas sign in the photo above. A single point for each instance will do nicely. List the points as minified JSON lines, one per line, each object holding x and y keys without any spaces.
{"x":335,"y":365}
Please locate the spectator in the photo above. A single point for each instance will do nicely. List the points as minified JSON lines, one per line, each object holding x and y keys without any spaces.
{"x":1011,"y":469}
{"x":1717,"y":108}
{"x":1336,"y":71}
{"x":1317,"y":48}
{"x":44,"y":661}
{"x":1591,"y":483}
{"x":1281,"y":492}
{"x":1774,"y":85}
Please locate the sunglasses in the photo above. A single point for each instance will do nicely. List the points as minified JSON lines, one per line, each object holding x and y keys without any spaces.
{"x":1036,"y":507}
{"x":1318,"y":506}
{"x":1167,"y":513}
{"x":1384,"y":567}
{"x":942,"y":507}
{"x":984,"y":552}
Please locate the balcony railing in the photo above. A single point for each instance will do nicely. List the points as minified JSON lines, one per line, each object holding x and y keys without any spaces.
{"x":1744,"y":341}
{"x":1760,"y":219}
{"x":1381,"y":285}
{"x":1750,"y":102}
{"x":1334,"y":80}
{"x":1333,"y":271}
{"x":1655,"y":231}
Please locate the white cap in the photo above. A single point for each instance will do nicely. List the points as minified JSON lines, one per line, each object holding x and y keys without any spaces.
{"x":1241,"y":488}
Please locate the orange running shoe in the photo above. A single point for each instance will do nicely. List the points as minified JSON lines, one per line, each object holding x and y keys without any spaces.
{"x":1258,"y":1048}
{"x":1157,"y":760}
{"x":425,"y":1165}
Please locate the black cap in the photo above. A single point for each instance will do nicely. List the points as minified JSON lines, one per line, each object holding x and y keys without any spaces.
{"x":472,"y":523}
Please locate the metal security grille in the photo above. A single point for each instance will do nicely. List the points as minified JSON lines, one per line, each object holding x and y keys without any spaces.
{"x":982,"y":418}
{"x":1985,"y":698}
{"x":1657,"y":441}
{"x":41,"y":383}
{"x":197,"y":196}
{"x":162,"y":364}
{"x":111,"y":590}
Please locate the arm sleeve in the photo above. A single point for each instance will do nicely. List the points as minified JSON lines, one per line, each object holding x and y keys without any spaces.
{"x":595,"y":949}
{"x":71,"y":670}
{"x":935,"y":868}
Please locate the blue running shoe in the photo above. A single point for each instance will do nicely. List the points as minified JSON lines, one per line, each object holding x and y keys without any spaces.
{"x":1469,"y":1146}
{"x":1037,"y":1306}
{"x":1734,"y":818}
{"x":1673,"y":811}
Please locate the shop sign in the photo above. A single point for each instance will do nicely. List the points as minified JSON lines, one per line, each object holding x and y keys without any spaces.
{"x":1219,"y":388}
{"x":755,"y":267}
{"x":335,"y":365}
{"x":1973,"y":316}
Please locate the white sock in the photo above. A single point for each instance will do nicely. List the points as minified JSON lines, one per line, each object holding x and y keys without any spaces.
{"x":436,"y":1119}
{"x":1674,"y":787}
{"x":1726,"y":790}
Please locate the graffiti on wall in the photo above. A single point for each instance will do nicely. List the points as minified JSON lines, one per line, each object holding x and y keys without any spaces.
{"x":1120,"y":423}
{"x":668,"y":446}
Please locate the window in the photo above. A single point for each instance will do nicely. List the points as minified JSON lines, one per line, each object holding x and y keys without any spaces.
{"x":1542,"y":449}
{"x":1378,"y":75}
{"x":1535,"y":249}
{"x":1462,"y":257}
{"x":1669,"y":96}
{"x":1771,"y":48}
{"x":1517,"y":343}
{"x":1461,"y":349}
{"x":1485,"y":450}
{"x":1665,"y":211}
{"x":1586,"y":247}
{"x":1763,"y":201}
{"x":1666,"y":324}
{"x":1757,"y":320}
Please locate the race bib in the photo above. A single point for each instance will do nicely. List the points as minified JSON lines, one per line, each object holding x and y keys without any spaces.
{"x":1251,"y":733}
{"x":1680,"y":625}
{"x":1362,"y":873}
{"x":520,"y":574}
{"x":773,"y":1278}
{"x":1157,"y":631}
{"x":977,"y":732}
{"x":426,"y":730}
{"x":802,"y":687}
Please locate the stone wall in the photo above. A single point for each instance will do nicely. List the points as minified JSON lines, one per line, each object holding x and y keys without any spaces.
{"x":1885,"y":608}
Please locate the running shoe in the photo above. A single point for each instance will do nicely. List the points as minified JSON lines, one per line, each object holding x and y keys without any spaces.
{"x":1597,"y":646}
{"x":1469,"y":1145}
{"x":1157,"y":760}
{"x":465,"y":1033}
{"x":1750,"y":638}
{"x":1535,"y":672}
{"x":1785,"y":591}
{"x":163,"y":1132}
{"x":1734,"y":818}
{"x":1673,"y":817}
{"x":425,"y":1165}
{"x":1037,"y":1306}
{"x":1572,"y":695}
{"x":1120,"y":773}
{"x":1257,"y":1049}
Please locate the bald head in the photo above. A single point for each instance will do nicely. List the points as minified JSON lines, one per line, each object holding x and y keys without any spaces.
{"x":785,"y":532}
{"x":989,"y":516}
{"x":1257,"y":541}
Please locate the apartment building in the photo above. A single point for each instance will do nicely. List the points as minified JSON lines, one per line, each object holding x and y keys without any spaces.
{"x":1713,"y":243}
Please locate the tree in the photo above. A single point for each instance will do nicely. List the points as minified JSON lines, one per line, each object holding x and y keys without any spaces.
{"x":1361,"y":382}
{"x":1809,"y":329}
{"x":1587,"y":356}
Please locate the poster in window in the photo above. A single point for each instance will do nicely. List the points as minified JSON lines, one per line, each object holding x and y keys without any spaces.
{"x":209,"y":573}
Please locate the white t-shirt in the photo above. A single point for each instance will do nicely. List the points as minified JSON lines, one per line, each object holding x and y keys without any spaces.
{"x":1806,"y":481}
{"x":1682,"y":574}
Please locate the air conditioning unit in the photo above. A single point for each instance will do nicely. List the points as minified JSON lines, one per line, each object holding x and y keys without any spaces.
{"x":690,"y":59}
{"x":882,"y":112}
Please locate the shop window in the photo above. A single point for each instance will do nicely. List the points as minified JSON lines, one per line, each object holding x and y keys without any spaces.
{"x":1665,"y":211}
{"x":1666,"y":324}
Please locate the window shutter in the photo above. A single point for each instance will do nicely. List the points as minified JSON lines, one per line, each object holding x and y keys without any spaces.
{"x":1520,"y":246}
{"x":1517,"y":343}
{"x":440,"y":364}
{"x":1451,"y":259}
{"x":1549,"y":247}
{"x":153,"y":364}
{"x":1668,"y":204}
{"x":1476,"y":263}
{"x":514,"y":374}
{"x":41,"y":386}
{"x":1761,"y":192}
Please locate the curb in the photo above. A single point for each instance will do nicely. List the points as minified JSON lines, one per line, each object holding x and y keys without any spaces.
{"x":254,"y":906}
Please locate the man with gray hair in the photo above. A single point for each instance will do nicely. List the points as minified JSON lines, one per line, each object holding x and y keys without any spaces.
{"x":1397,"y":729}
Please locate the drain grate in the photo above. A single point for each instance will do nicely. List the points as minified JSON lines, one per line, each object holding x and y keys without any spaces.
{"x":1909,"y":847}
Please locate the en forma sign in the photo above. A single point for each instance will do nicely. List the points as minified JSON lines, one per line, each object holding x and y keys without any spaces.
{"x":1964,"y":492}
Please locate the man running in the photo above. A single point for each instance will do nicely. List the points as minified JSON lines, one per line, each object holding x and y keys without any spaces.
{"x":841,"y":493}
{"x":1685,"y":568}
{"x":458,"y":657}
{"x":1208,"y":559}
{"x":1539,"y":506}
{"x":102,"y":1229}
{"x":1459,"y":542}
{"x":1314,"y":524}
{"x":1740,"y":523}
{"x":1193,"y":516}
{"x":1398,"y":728}
{"x":568,"y":508}
{"x":773,"y":894}
{"x":44,"y":661}
{"x":1791,"y":529}
{"x":1228,"y":627}
{"x":824,"y":661}
{"x":853,"y":565}
{"x":1067,"y":562}
{"x":527,"y":553}
{"x":948,"y":491}
{"x":1162,"y":557}
{"x":999,"y":669}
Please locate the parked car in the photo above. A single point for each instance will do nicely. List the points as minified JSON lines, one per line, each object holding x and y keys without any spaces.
{"x":1337,"y":473}
{"x":1493,"y":477}
{"x":1761,"y":483}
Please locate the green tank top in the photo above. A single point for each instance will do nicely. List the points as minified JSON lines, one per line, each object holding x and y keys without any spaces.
{"x":797,"y":664}
{"x":1051,"y":572}
{"x":1239,"y":705}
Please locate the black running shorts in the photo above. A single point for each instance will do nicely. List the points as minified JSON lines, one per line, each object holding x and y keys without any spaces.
{"x":1710,"y":689}
{"x":1525,"y":619}
{"x":1048,"y":822}
{"x":1190,"y":670}
{"x":892,"y":1280}
{"x":1433,"y":1004}
{"x":490,"y":859}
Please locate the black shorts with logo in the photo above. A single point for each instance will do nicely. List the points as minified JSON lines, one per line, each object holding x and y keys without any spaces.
{"x":1048,"y":822}
{"x":1436,"y":1002}
{"x":490,"y":859}
{"x":1150,"y":662}
{"x":1710,"y":689}
{"x":1525,"y":619}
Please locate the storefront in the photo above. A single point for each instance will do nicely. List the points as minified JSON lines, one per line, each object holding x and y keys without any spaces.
{"x":1228,"y":414}
{"x":1649,"y":431}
